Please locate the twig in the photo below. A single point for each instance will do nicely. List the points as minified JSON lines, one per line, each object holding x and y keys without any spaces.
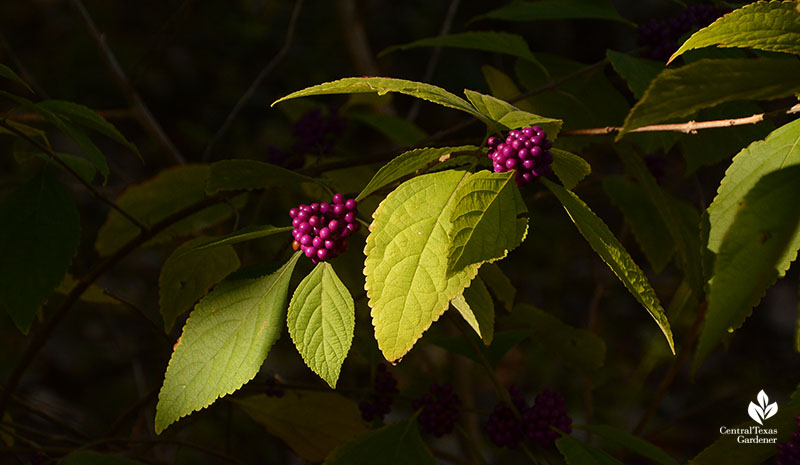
{"x":356,"y":38}
{"x":41,"y":337}
{"x":433,"y":61}
{"x":690,"y":127}
{"x":97,"y":194}
{"x":669,"y":377}
{"x":145,"y":117}
{"x":257,"y":81}
{"x":141,"y":313}
{"x":21,"y":69}
{"x":132,"y":411}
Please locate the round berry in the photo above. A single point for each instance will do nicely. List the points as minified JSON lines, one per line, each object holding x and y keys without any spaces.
{"x":351,"y":204}
{"x":338,"y":199}
{"x":293,"y":212}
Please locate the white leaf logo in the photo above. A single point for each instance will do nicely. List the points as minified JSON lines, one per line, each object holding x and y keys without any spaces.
{"x":763,"y":410}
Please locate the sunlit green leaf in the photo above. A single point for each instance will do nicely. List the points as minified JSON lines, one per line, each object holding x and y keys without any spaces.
{"x":321,"y":320}
{"x":477,"y":308}
{"x":570,"y":168}
{"x":507,"y":116}
{"x":489,"y":219}
{"x":595,"y":231}
{"x":406,"y":265}
{"x":224,"y":342}
{"x":771,"y":26}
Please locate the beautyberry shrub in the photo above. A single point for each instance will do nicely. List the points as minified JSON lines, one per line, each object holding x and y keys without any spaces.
{"x":316,"y":133}
{"x":789,"y":452}
{"x":384,"y":388}
{"x":548,"y":410}
{"x":661,"y":37}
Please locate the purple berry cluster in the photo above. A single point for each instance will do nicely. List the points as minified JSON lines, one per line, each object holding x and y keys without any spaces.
{"x":661,"y":37}
{"x":439,"y":410}
{"x":525,"y":150}
{"x":789,"y":452}
{"x":384,"y":388}
{"x":316,"y":133}
{"x":272,"y":388}
{"x":548,"y":410}
{"x":321,"y":229}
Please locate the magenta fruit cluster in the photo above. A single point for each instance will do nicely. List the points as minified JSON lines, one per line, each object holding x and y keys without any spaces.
{"x":384,"y":389}
{"x":321,"y":229}
{"x":789,"y":452}
{"x":535,"y":422}
{"x":526,"y":150}
{"x":439,"y":410}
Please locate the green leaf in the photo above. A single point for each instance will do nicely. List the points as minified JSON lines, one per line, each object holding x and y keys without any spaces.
{"x":771,"y":26}
{"x":311,"y":423}
{"x":637,"y":72}
{"x":488,"y":221}
{"x":394,"y":444}
{"x":477,"y":308}
{"x":677,"y":93}
{"x":78,"y":136}
{"x":233,"y":175}
{"x":685,"y":237}
{"x":547,"y":10}
{"x":633,"y":443}
{"x":595,"y":231}
{"x":780,"y":149}
{"x":578,"y":348}
{"x":245,"y":234}
{"x":321,"y":321}
{"x":728,"y":449}
{"x":382,"y":86}
{"x":155,"y":199}
{"x":487,"y":41}
{"x":579,"y":453}
{"x":407,"y":163}
{"x":499,"y":284}
{"x":39,"y":236}
{"x":648,"y":228}
{"x":406,"y":265}
{"x":758,"y":248}
{"x":8,"y":73}
{"x":89,"y":119}
{"x":87,"y":457}
{"x":186,"y":278}
{"x":569,"y":168}
{"x":224,"y":342}
{"x":507,"y":116}
{"x":396,"y":128}
{"x":503,"y":87}
{"x":711,"y":146}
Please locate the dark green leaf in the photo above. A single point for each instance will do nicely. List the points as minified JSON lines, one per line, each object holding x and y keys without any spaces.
{"x":185,"y":278}
{"x":680,"y":92}
{"x":8,"y":73}
{"x":224,"y":343}
{"x":595,"y":231}
{"x":39,"y":236}
{"x":398,"y":443}
{"x":407,"y":163}
{"x":578,"y":348}
{"x":757,"y":249}
{"x":87,"y":457}
{"x":311,"y":423}
{"x":397,"y":129}
{"x":637,"y":72}
{"x":504,"y":88}
{"x":771,"y":26}
{"x":499,"y":284}
{"x":632,"y":443}
{"x":234,"y":175}
{"x":579,"y":453}
{"x":487,"y":41}
{"x":245,"y":234}
{"x":155,"y":199}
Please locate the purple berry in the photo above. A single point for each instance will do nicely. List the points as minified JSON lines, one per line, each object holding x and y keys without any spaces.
{"x":338,"y":199}
{"x":293,"y":212}
{"x":439,"y":410}
{"x":351,"y":204}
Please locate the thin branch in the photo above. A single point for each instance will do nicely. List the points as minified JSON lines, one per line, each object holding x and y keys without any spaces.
{"x":356,"y":38}
{"x":257,"y":81}
{"x":433,"y":61}
{"x":21,"y":69}
{"x":690,"y":127}
{"x":669,"y":377}
{"x":145,"y":117}
{"x":41,"y":337}
{"x":97,"y":194}
{"x":140,"y":313}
